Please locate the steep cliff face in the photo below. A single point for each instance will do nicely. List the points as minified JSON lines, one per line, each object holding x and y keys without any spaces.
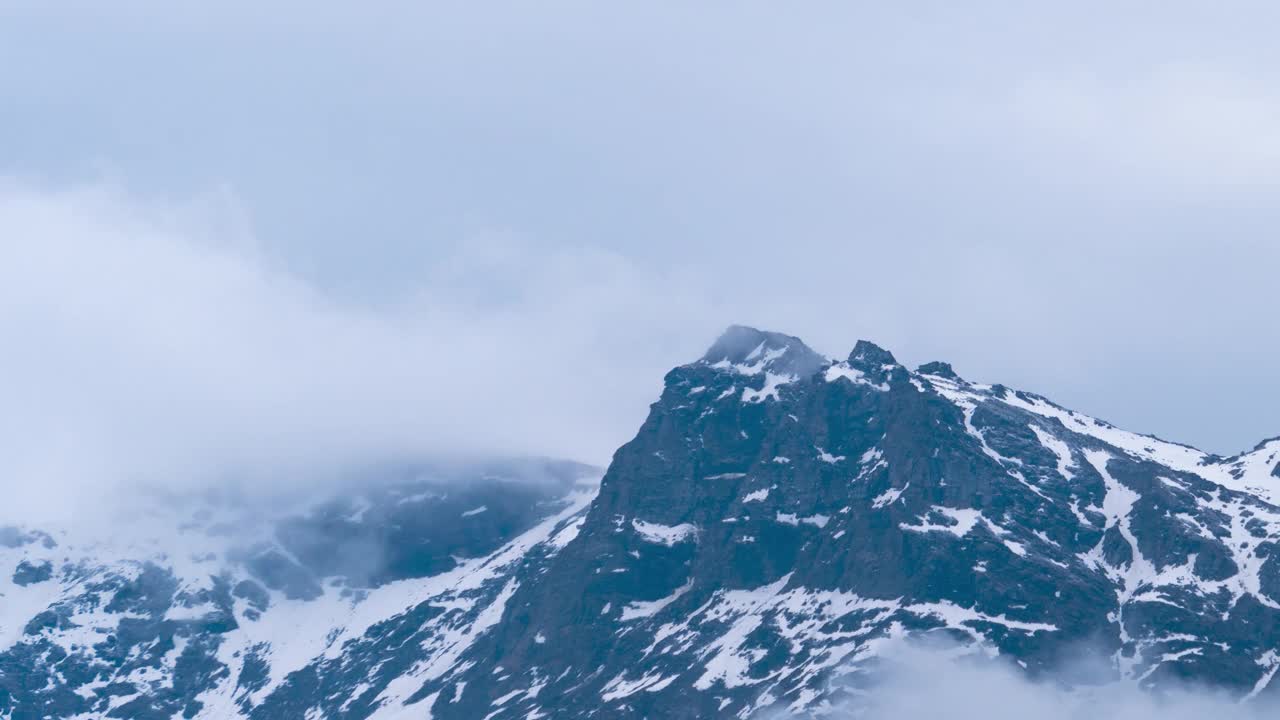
{"x":779,"y":516}
{"x":777,"y":522}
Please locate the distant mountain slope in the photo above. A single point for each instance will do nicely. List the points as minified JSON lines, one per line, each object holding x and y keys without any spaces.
{"x":778,"y":520}
{"x":218,"y":609}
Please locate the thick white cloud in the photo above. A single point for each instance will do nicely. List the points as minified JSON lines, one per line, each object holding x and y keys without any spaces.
{"x":159,"y":342}
{"x":139,"y":346}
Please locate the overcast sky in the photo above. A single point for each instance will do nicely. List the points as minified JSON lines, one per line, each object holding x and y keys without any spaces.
{"x":236,"y":231}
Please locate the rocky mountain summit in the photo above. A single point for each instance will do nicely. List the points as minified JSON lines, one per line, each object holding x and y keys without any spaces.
{"x":778,"y":519}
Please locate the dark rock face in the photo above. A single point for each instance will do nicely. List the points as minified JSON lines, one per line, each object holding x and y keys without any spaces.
{"x":776,"y":520}
{"x":755,"y":541}
{"x":940,"y":369}
{"x":29,"y":573}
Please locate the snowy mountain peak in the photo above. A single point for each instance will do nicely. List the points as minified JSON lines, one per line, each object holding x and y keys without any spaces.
{"x":750,"y":351}
{"x":1260,"y":465}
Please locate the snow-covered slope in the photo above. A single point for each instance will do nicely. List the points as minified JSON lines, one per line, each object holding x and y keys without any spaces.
{"x":215,"y":609}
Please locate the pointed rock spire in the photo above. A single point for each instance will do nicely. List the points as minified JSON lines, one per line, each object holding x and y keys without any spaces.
{"x":868,"y":355}
{"x":870,"y":364}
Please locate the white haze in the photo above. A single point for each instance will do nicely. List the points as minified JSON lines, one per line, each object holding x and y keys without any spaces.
{"x":151,"y":343}
{"x":156,"y":341}
{"x":924,"y":683}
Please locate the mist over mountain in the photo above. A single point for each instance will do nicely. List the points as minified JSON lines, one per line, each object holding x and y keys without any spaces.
{"x":785,"y":536}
